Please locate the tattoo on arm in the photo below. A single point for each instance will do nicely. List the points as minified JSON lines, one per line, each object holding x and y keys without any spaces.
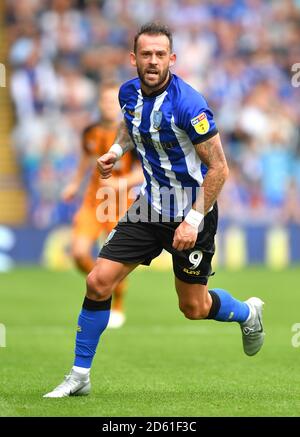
{"x":212,"y":155}
{"x":123,"y":138}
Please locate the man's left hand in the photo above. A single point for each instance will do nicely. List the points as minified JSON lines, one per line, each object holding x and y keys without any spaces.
{"x":185,"y":236}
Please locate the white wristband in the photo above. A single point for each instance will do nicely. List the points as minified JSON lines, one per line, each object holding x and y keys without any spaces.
{"x":117,"y":149}
{"x":194,"y":218}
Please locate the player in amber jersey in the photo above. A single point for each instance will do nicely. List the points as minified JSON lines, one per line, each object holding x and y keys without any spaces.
{"x":88,"y":224}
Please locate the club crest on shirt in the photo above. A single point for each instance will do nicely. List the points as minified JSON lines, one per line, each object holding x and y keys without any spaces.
{"x":200,"y":123}
{"x":157,"y":118}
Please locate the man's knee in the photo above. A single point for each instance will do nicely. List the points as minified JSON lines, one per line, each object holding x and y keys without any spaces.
{"x":98,"y":285}
{"x":195,"y":311}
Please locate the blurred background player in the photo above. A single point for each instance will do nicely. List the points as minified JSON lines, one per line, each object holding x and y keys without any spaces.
{"x":87,"y":224}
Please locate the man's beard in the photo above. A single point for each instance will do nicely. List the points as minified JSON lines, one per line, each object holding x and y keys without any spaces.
{"x":161,"y":78}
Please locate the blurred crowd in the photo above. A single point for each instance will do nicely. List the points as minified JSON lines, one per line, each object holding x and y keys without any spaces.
{"x":238,"y":53}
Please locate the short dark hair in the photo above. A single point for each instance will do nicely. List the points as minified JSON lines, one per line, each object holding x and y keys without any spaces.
{"x":154,"y":28}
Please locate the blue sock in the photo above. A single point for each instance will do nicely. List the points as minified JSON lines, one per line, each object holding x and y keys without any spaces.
{"x":226,"y":308}
{"x":92,"y":321}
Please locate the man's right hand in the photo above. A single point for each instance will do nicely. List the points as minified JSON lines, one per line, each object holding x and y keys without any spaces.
{"x":105,"y":164}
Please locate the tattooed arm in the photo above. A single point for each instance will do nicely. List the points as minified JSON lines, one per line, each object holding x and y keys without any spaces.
{"x":211,"y":154}
{"x":123,"y":138}
{"x":122,"y":144}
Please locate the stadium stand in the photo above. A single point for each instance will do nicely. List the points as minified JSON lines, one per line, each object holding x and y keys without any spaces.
{"x":12,"y":195}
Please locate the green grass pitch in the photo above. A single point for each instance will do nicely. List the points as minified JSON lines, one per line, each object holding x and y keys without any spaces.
{"x":159,"y":363}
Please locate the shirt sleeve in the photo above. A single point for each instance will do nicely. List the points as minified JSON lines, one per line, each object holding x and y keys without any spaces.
{"x":122,"y":100}
{"x":196,"y":118}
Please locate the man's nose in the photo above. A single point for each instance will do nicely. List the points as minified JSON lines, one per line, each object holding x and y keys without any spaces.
{"x":153,"y":59}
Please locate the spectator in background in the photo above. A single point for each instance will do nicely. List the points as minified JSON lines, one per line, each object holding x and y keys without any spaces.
{"x":64,"y":29}
{"x":77,"y":95}
{"x":47,"y":149}
{"x":33,"y":83}
{"x":290,"y":212}
{"x":277,"y":167}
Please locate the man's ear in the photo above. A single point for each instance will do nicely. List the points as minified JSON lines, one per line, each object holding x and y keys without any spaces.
{"x":132,"y":59}
{"x":172,"y":59}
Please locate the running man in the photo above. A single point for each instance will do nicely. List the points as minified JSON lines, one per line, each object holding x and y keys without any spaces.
{"x":180,"y":149}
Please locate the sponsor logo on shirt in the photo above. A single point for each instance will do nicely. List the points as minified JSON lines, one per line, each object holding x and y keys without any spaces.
{"x":192,"y":272}
{"x":158,"y":145}
{"x":134,"y":114}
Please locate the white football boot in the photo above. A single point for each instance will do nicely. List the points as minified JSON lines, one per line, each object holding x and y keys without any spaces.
{"x":74,"y":384}
{"x":252,"y":330}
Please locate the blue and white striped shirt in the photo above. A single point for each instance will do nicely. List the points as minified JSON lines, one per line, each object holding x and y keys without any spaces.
{"x":164,"y":129}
